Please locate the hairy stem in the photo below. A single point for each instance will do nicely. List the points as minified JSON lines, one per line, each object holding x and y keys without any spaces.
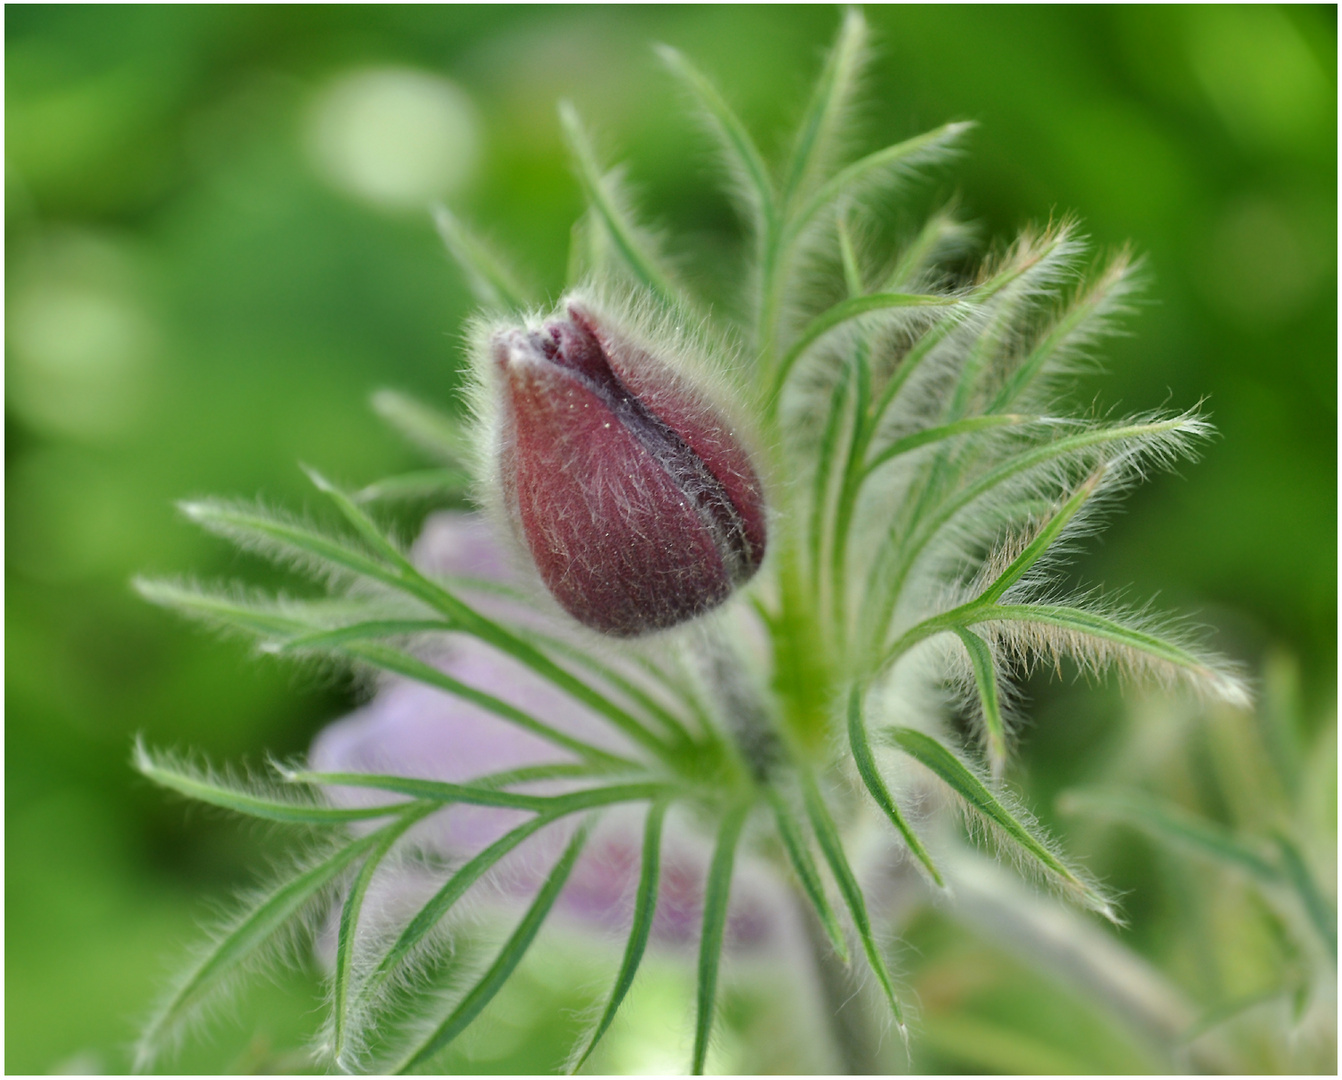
{"x":851,"y":1030}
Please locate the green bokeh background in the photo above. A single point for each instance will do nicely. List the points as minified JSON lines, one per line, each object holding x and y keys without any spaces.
{"x":192,"y":307}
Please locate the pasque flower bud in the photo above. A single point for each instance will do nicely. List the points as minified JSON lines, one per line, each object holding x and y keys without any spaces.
{"x":635,"y":497}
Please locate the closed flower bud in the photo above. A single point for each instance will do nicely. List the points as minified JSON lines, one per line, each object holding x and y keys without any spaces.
{"x":634,"y":496}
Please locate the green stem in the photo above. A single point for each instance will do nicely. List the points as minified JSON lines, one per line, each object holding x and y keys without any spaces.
{"x":855,"y":1042}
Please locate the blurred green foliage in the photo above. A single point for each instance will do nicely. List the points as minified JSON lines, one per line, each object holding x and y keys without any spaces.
{"x":215,"y":250}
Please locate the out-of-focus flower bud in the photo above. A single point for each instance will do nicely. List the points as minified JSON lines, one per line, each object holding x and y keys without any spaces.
{"x":635,"y":497}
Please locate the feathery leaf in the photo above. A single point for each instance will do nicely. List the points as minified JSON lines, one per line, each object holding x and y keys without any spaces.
{"x":746,"y":167}
{"x":1095,"y":640}
{"x":252,"y":931}
{"x":634,"y":246}
{"x":985,"y":678}
{"x":482,"y":993}
{"x":871,"y":777}
{"x":827,"y":835}
{"x":794,"y":843}
{"x":342,"y":978}
{"x":196,"y":785}
{"x":874,"y":168}
{"x":974,"y":792}
{"x":820,"y":133}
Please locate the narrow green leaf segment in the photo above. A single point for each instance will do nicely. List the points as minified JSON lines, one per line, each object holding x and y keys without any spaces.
{"x":827,"y":835}
{"x":732,"y":134}
{"x":443,"y":900}
{"x":372,"y":630}
{"x":873,"y":164}
{"x":985,"y":678}
{"x":492,"y":282}
{"x":1320,"y":910}
{"x":1087,"y":622}
{"x":1172,"y":826}
{"x":794,"y":843}
{"x":250,"y":935}
{"x":852,"y":268}
{"x":342,"y":981}
{"x":1041,"y":543}
{"x":716,"y":895}
{"x":880,"y":793}
{"x":530,"y":774}
{"x":415,"y":485}
{"x":645,"y":907}
{"x":621,"y":230}
{"x":843,"y":312}
{"x":833,"y":91}
{"x":941,"y":761}
{"x":507,"y":960}
{"x":939,"y":433}
{"x":241,"y":801}
{"x":826,"y":455}
{"x":252,"y":525}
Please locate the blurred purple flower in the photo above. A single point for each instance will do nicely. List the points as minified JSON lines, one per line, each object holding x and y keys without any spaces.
{"x":410,"y":729}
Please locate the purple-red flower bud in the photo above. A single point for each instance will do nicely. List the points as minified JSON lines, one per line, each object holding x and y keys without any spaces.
{"x":635,"y":497}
